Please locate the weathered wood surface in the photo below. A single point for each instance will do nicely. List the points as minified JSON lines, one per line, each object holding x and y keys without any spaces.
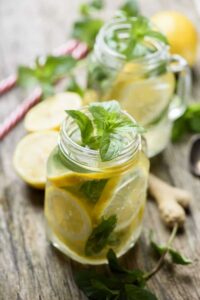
{"x":30,"y":268}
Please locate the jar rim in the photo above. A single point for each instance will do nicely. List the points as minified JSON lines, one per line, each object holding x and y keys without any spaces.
{"x":67,"y":144}
{"x":122,"y":23}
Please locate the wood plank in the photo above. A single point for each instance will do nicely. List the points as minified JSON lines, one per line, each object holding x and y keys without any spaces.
{"x":30,"y":268}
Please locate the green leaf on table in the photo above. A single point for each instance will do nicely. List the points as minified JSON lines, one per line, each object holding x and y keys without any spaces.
{"x":178,"y":258}
{"x":189,"y":122}
{"x":136,"y":293}
{"x":97,"y":286}
{"x":84,"y":123}
{"x":100,"y":235}
{"x":93,"y":189}
{"x":130,"y":8}
{"x":157,"y":248}
{"x":180,"y":127}
{"x":135,"y":276}
{"x":175,"y":255}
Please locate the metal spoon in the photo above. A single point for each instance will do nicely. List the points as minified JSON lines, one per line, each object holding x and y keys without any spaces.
{"x":195,"y":156}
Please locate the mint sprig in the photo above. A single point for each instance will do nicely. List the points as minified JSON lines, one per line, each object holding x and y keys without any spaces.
{"x":105,"y":128}
{"x":121,"y":283}
{"x":100,"y":236}
{"x":136,"y":45}
{"x":163,"y":250}
{"x":46,"y":73}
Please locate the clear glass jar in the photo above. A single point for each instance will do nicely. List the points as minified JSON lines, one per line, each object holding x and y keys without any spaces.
{"x":154,"y":89}
{"x":82,"y":192}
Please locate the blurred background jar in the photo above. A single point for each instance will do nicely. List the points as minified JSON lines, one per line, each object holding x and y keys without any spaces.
{"x":154,"y":87}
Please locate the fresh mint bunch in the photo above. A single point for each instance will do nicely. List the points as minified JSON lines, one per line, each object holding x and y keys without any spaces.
{"x":136,"y":44}
{"x":121,"y":283}
{"x":105,"y":128}
{"x":46,"y":73}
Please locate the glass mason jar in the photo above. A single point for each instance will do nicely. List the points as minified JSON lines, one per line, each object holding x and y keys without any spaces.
{"x":154,"y":89}
{"x":82,"y":193}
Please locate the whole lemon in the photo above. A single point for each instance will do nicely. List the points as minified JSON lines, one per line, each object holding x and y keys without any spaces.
{"x":181,"y":33}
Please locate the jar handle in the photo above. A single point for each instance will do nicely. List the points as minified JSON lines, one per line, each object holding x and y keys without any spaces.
{"x":179,"y":66}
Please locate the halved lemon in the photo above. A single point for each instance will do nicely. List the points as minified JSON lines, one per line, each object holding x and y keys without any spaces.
{"x":49,"y":114}
{"x":31,"y":154}
{"x":68,"y":215}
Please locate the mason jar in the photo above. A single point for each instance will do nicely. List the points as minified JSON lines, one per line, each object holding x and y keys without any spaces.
{"x":91,"y":205}
{"x":154,"y":88}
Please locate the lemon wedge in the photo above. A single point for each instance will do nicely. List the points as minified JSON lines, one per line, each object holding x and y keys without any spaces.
{"x":49,"y":114}
{"x":31,"y":154}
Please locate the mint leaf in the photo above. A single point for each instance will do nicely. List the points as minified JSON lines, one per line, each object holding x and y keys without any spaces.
{"x":130,"y":8}
{"x":180,"y":127}
{"x":135,"y":293}
{"x":73,"y":86}
{"x":86,"y":9}
{"x":136,"y":45}
{"x":157,"y":248}
{"x":179,"y":259}
{"x":189,"y":122}
{"x":86,"y":30}
{"x":110,"y":146}
{"x":129,"y":276}
{"x":157,"y":35}
{"x":100,"y":235}
{"x":93,"y":189}
{"x":26,"y":77}
{"x":97,"y":286}
{"x":84,"y":124}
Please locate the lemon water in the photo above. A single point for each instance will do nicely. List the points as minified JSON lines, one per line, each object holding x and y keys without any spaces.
{"x":76,"y":202}
{"x":153,"y":85}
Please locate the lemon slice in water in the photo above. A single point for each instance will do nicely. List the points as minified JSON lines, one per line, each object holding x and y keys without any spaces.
{"x":68,"y":214}
{"x":145,"y":99}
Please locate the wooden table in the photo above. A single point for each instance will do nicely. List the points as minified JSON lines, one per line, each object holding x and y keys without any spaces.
{"x":30,"y":268}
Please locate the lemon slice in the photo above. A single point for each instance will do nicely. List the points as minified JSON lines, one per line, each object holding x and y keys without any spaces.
{"x":68,"y":215}
{"x":31,"y":154}
{"x":145,"y":99}
{"x":49,"y":114}
{"x":125,"y":201}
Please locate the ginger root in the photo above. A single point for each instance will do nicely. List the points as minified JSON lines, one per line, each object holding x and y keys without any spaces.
{"x":171,"y":201}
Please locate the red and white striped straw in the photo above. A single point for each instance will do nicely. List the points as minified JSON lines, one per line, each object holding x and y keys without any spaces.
{"x":78,"y":51}
{"x":7,"y":84}
{"x":19,"y":113}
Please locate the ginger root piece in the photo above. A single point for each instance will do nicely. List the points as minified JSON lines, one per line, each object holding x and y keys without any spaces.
{"x":171,"y":201}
